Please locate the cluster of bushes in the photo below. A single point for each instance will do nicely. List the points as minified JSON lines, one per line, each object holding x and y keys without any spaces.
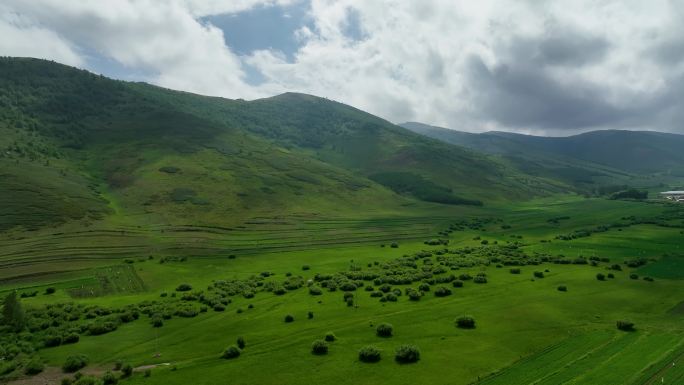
{"x":404,"y":354}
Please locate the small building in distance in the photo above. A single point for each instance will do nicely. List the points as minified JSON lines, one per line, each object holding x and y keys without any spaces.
{"x":677,"y":196}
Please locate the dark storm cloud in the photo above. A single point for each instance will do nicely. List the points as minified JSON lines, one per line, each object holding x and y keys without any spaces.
{"x":521,"y":91}
{"x":522,"y":94}
{"x":571,"y":49}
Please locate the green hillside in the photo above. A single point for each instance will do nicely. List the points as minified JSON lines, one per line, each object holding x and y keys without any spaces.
{"x":589,"y":161}
{"x":129,"y":150}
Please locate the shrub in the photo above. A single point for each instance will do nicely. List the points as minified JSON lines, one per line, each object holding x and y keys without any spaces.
{"x":442,"y":291}
{"x":384,"y":330}
{"x":157,"y":322}
{"x":465,"y":322}
{"x":231,"y":352}
{"x":74,"y":363}
{"x":87,"y":380}
{"x":406,"y":354}
{"x":315,"y":290}
{"x":50,"y":290}
{"x":52,"y":340}
{"x":562,"y":288}
{"x":319,"y":347}
{"x":601,"y":277}
{"x":184,"y":287}
{"x":539,"y":274}
{"x":414,"y":295}
{"x":99,"y":328}
{"x":289,"y":318}
{"x":330,"y":337}
{"x":127,"y":370}
{"x":34,"y":367}
{"x":241,"y":342}
{"x":109,"y":378}
{"x":369,"y":353}
{"x":625,"y":325}
{"x":71,"y":338}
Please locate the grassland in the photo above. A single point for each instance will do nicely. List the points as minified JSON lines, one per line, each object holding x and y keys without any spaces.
{"x":527,"y":330}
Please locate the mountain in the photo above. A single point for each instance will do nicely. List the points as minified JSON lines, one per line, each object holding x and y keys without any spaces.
{"x":587,"y":161}
{"x":79,"y":146}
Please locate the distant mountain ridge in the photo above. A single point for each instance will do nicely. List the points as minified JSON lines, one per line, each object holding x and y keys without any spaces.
{"x":588,"y":157}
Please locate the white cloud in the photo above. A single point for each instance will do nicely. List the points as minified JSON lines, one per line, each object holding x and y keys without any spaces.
{"x":553,"y":66}
{"x":19,"y":38}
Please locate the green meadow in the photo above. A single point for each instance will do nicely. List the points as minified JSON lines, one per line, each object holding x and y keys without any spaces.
{"x":527,"y":330}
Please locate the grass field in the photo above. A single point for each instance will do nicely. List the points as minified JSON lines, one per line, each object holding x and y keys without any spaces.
{"x":527,"y":331}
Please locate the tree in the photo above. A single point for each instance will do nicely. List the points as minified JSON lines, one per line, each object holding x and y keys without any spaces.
{"x":12,"y":313}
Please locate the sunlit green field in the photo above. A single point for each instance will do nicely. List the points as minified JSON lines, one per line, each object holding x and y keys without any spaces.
{"x":527,"y":331}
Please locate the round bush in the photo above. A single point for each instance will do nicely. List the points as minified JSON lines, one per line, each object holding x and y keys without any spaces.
{"x":391,"y":297}
{"x":406,"y":354}
{"x":231,"y":352}
{"x":289,"y":318}
{"x":184,"y":287}
{"x":626,"y":326}
{"x":369,"y":354}
{"x":330,"y":337}
{"x":127,"y":370}
{"x":319,"y":347}
{"x":442,"y":291}
{"x":109,"y":378}
{"x":384,"y":330}
{"x":34,"y":367}
{"x":315,"y":290}
{"x":53,"y":340}
{"x":465,"y":322}
{"x":74,"y":363}
{"x":71,"y":338}
{"x":414,"y":295}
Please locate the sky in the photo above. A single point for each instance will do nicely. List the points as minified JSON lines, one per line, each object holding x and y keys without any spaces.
{"x":538,"y":67}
